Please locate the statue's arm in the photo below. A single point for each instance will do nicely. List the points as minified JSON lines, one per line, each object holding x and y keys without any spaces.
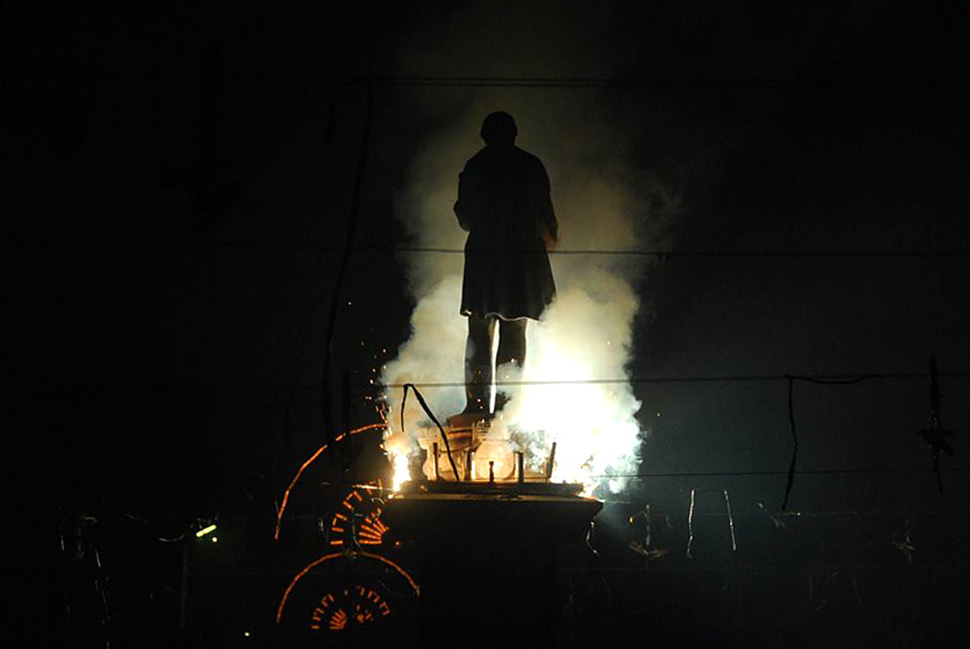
{"x":549,"y":226}
{"x":464,"y":206}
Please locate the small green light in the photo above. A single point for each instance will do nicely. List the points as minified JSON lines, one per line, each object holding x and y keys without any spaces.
{"x":205,"y":530}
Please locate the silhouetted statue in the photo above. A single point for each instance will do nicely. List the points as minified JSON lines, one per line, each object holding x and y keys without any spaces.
{"x":504,"y":205}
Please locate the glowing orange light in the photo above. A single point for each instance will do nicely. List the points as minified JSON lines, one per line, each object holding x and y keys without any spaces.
{"x":339,"y":620}
{"x":371,"y":530}
{"x":335,"y":555}
{"x":303,"y":467}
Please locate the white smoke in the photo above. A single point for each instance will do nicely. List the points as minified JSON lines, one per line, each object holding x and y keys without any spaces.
{"x":574,"y":388}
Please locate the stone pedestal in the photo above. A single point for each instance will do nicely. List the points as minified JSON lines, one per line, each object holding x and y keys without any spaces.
{"x":488,"y":557}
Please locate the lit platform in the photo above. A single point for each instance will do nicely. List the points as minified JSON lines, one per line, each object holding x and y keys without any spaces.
{"x":442,"y":512}
{"x":483,"y":488}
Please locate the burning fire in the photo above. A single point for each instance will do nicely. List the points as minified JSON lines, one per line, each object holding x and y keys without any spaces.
{"x":569,"y":394}
{"x":399,"y":463}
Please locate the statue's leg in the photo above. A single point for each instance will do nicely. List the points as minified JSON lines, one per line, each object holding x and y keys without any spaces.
{"x":478,"y":363}
{"x":511,"y":350}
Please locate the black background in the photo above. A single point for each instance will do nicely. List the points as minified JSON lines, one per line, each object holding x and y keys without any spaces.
{"x":179,"y":183}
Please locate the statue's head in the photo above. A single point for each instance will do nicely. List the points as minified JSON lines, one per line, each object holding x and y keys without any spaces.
{"x":499,"y":129}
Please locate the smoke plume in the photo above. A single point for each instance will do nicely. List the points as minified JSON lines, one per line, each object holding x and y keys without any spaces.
{"x":573,"y":388}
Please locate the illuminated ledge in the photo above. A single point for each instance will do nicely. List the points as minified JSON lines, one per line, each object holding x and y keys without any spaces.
{"x":495,"y":518}
{"x":498,"y":489}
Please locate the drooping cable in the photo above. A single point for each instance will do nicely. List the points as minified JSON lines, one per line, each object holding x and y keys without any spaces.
{"x":427,"y":409}
{"x":936,"y":436}
{"x":821,"y":380}
{"x":794,"y":436}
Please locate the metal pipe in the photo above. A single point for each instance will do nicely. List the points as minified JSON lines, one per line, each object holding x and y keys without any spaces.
{"x":469,"y":465}
{"x":434,"y":447}
{"x":550,"y":462}
{"x":520,"y":465}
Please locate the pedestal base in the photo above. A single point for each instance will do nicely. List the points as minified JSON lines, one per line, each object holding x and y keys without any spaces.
{"x":489,"y":568}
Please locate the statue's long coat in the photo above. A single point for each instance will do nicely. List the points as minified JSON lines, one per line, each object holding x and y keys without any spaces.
{"x":505,"y":206}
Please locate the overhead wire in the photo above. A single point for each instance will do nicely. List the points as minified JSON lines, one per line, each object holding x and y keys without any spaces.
{"x":829,"y":379}
{"x":664,"y":253}
{"x":632,"y":83}
{"x":836,"y":379}
{"x":348,"y":249}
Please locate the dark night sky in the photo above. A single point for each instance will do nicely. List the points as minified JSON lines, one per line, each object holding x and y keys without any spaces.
{"x":172,"y":176}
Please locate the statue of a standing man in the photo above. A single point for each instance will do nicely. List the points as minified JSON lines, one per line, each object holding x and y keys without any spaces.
{"x":505,"y":206}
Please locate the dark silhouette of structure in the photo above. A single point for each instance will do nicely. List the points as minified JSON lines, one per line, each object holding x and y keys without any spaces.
{"x":504,"y":204}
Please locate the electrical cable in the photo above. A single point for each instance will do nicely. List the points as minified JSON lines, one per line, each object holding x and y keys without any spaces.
{"x":794,"y":452}
{"x":769,"y":472}
{"x":427,"y":409}
{"x":936,"y":435}
{"x":634,"y":83}
{"x":658,"y":253}
{"x":830,"y":379}
{"x":834,"y":379}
